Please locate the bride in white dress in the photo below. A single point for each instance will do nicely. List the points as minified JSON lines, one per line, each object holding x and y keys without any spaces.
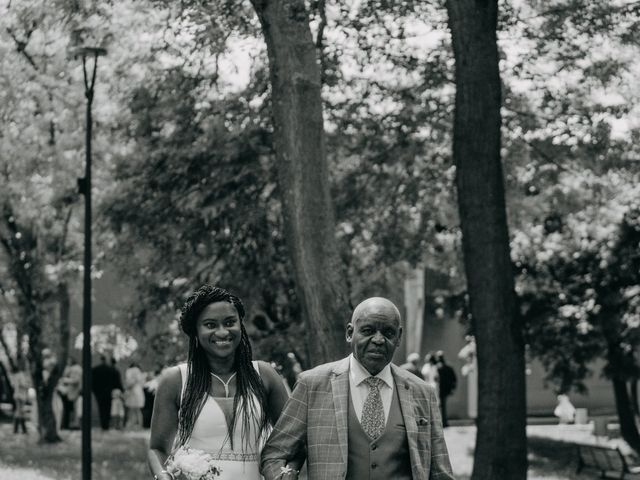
{"x":220,"y":401}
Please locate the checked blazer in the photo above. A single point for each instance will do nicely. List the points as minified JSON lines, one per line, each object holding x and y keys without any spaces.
{"x":315,"y":419}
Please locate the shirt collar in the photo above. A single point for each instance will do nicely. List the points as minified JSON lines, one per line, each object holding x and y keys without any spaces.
{"x":359,"y":374}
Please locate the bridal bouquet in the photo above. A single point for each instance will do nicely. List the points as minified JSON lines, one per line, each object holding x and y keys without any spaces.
{"x":192,"y":464}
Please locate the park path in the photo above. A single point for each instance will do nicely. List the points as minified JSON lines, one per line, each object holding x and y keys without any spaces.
{"x":11,"y":473}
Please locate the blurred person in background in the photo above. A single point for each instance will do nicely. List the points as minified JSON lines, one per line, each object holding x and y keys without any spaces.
{"x":295,"y":369}
{"x":49,"y":362}
{"x":20,"y":384}
{"x":106,"y":378}
{"x":413,"y":364}
{"x":470,"y":371}
{"x":117,"y":409}
{"x":150,"y":387}
{"x":429,"y":370}
{"x":447,"y":382}
{"x":565,"y":411}
{"x":134,"y":381}
{"x":70,"y":387}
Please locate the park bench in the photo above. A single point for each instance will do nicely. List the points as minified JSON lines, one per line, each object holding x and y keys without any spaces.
{"x":608,"y":460}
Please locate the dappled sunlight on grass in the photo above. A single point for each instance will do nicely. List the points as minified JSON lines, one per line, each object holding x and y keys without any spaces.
{"x":115,"y":454}
{"x":19,"y":473}
{"x":122,"y":455}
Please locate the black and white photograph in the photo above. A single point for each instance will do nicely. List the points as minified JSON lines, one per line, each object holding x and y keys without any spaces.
{"x":319,"y":239}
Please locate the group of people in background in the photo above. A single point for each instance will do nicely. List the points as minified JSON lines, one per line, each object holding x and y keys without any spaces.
{"x":120,"y":404}
{"x":437,"y":373}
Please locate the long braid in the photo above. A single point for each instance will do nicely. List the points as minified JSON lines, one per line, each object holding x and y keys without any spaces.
{"x":248,"y":383}
{"x":198,"y":382}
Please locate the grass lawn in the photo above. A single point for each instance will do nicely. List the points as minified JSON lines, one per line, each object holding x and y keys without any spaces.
{"x":122,"y":456}
{"x":116,"y":454}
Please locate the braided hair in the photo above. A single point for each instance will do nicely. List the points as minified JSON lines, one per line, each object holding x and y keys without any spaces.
{"x":198,"y":382}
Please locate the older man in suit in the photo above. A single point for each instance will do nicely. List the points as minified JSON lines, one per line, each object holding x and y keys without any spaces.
{"x":361,"y":417}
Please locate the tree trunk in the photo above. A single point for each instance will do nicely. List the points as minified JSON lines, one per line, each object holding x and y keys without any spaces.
{"x":29,"y":303}
{"x":628,"y":428}
{"x":303,"y":175}
{"x":64,"y":307}
{"x":45,"y":388}
{"x":633,"y":394}
{"x":13,"y":363}
{"x":47,"y":425}
{"x":501,"y":444}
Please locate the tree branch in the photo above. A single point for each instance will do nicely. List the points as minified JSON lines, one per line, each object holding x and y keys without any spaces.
{"x":546,"y":156}
{"x":321,"y":7}
{"x":322,"y":11}
{"x":568,"y":8}
{"x":21,"y":48}
{"x":63,"y":237}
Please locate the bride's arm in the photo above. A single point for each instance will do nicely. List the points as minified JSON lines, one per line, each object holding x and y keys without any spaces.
{"x":164,"y":422}
{"x":277,"y":396}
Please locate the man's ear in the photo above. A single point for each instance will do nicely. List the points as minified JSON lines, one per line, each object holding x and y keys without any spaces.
{"x":349,"y":332}
{"x":399,"y":338}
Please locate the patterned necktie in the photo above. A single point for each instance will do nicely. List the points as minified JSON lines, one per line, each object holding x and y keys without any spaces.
{"x":373,"y":412}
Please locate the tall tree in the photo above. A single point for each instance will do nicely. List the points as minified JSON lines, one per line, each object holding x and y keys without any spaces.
{"x":41,"y":152}
{"x":303,"y":174}
{"x":36,"y":222}
{"x":501,"y":448}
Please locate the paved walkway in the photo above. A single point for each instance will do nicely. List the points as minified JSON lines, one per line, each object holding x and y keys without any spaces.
{"x":461,"y":442}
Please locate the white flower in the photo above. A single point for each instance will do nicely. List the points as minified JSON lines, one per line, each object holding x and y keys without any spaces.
{"x":194,"y":464}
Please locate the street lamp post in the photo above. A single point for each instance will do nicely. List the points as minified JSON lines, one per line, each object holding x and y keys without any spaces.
{"x":84,"y":185}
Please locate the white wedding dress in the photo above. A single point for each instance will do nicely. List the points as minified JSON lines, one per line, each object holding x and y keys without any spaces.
{"x":210,"y":434}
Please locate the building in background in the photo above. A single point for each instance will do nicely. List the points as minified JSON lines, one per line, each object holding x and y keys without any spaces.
{"x":428,"y":293}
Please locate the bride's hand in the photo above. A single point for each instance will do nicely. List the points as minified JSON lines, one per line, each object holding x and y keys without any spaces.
{"x":288,"y":473}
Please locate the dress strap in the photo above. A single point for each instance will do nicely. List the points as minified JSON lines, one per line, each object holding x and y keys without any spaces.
{"x":256,"y":366}
{"x":183,"y":374}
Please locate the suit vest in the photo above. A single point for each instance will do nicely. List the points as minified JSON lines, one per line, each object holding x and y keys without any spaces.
{"x":385,"y":458}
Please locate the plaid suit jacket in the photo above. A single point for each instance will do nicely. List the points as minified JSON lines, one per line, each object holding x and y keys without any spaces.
{"x":315,"y":419}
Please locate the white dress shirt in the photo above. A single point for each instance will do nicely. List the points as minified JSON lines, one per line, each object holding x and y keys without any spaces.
{"x":358,"y":389}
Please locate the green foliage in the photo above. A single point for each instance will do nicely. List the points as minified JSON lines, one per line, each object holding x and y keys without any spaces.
{"x":39,"y":148}
{"x":579,"y":289}
{"x":185,"y":181}
{"x":570,"y":156}
{"x":388,"y":142}
{"x":42,"y":155}
{"x":205,"y":164}
{"x":201,"y":175}
{"x":388,"y":107}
